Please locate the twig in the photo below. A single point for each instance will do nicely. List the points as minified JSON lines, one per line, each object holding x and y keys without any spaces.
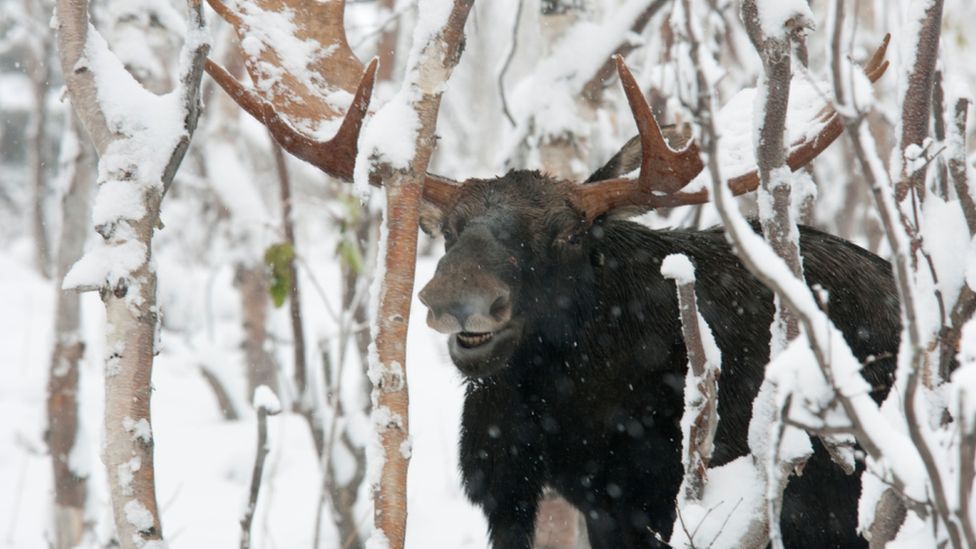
{"x":508,"y":60}
{"x":264,"y":409}
{"x":304,"y":402}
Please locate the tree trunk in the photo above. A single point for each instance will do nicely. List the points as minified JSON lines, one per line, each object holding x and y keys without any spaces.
{"x":40,"y":75}
{"x":70,"y":489}
{"x":252,"y":283}
{"x":131,"y":332}
{"x":424,"y":84}
{"x":124,"y":273}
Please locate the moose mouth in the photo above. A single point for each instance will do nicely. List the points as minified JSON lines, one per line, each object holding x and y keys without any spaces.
{"x":480,"y":354}
{"x":472,"y":340}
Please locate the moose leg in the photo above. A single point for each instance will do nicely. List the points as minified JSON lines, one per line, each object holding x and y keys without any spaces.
{"x":509,"y":497}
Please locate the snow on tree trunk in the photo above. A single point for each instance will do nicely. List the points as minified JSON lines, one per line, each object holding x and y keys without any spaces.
{"x":70,"y":469}
{"x":141,"y":139}
{"x":396,"y":147}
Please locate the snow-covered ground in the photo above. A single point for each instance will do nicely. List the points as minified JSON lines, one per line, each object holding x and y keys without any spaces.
{"x":203,"y":463}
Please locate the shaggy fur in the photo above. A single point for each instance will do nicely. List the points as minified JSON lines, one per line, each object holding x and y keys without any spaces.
{"x":589,"y":399}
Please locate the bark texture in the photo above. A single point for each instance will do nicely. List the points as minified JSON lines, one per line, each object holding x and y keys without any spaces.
{"x":130,"y":298}
{"x":404,"y":188}
{"x":252,"y":283}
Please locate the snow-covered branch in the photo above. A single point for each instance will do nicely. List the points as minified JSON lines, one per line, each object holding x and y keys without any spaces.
{"x":700,"y":417}
{"x":772,"y":27}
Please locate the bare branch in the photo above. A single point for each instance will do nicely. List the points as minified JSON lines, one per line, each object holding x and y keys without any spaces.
{"x":73,"y":25}
{"x":266,"y":404}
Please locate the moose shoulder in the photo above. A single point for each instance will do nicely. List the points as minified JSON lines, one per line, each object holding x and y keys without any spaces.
{"x":570,"y":341}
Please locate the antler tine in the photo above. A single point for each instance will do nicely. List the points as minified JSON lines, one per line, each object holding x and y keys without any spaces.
{"x":659,"y":171}
{"x":290,"y":99}
{"x":337,"y":156}
{"x":663,"y":171}
{"x":601,"y":197}
{"x":224,"y":12}
{"x":877,"y":65}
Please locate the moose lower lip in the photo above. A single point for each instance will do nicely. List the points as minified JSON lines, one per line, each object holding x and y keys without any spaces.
{"x":470,"y":340}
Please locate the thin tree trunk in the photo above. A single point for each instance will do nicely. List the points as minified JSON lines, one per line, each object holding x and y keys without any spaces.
{"x":304,"y":402}
{"x":129,"y":441}
{"x":128,"y":285}
{"x":424,"y":85}
{"x":917,"y":105}
{"x":40,"y":76}
{"x":252,"y":283}
{"x":70,"y":488}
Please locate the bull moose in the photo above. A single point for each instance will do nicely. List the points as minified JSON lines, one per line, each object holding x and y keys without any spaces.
{"x":569,"y":340}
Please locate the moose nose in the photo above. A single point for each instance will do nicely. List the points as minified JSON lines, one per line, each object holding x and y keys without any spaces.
{"x":455,"y":308}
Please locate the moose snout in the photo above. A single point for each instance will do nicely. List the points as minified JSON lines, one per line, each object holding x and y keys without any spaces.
{"x":477,"y":306}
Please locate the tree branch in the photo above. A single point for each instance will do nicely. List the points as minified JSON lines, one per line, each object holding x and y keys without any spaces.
{"x":266,"y":405}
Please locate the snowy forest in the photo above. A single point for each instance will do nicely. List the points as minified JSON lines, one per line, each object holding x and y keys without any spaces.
{"x":341,"y":273}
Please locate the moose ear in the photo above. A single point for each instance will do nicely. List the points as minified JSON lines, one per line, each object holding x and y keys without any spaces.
{"x":431,"y":218}
{"x":628,"y":158}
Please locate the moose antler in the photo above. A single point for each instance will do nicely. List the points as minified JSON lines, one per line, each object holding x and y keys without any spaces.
{"x":295,"y":98}
{"x":664,"y":171}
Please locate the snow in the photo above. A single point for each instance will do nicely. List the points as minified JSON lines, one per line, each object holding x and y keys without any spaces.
{"x":124,"y":474}
{"x":264,"y":398}
{"x":794,"y":372}
{"x":901,"y":457}
{"x":150,"y":123}
{"x":198,"y":455}
{"x":137,"y":515}
{"x":734,"y":121}
{"x":390,"y":136}
{"x":943,"y":223}
{"x":679,"y":268}
{"x":962,"y":396}
{"x":279,"y":37}
{"x":775,"y":14}
{"x":724,"y":514}
{"x":104,"y":264}
{"x":145,"y":129}
{"x":138,"y":430}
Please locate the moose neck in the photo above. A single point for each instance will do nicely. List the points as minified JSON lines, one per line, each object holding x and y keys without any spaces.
{"x":610,"y":307}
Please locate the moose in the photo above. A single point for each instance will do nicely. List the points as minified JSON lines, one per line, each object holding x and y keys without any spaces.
{"x":568,"y":336}
{"x":569,"y":339}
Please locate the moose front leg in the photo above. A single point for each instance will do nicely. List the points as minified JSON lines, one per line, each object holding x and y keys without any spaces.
{"x":503,"y":468}
{"x":508,"y":494}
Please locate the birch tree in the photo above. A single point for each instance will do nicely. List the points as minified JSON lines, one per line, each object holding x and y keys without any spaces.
{"x":140,"y":139}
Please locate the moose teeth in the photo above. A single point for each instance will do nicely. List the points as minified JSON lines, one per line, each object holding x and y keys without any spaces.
{"x":469,"y":339}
